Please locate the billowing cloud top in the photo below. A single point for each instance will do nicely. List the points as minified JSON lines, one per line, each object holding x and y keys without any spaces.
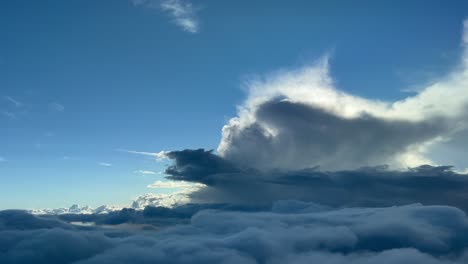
{"x":298,"y":119}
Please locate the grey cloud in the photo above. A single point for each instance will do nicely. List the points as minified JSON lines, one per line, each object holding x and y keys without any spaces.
{"x":21,"y":220}
{"x":156,"y":216}
{"x":367,"y":186}
{"x":291,"y":135}
{"x":294,"y":232}
{"x":198,"y":166}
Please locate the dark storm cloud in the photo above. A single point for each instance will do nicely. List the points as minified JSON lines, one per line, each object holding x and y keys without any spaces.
{"x":368,"y":186}
{"x":290,"y":232}
{"x":17,"y":219}
{"x":291,"y":135}
{"x":201,"y":165}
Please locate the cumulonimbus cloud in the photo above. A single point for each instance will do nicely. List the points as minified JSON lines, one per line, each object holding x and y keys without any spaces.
{"x":297,"y":137}
{"x":298,"y":119}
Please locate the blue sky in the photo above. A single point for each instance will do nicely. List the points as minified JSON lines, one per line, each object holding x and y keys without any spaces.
{"x":81,"y":79}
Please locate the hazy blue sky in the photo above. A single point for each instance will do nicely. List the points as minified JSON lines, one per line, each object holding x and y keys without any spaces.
{"x":80,"y":80}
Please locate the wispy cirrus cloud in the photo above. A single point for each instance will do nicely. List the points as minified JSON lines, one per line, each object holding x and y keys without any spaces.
{"x":182,"y":12}
{"x":174,"y":184}
{"x":105,"y":164}
{"x":145,"y":172}
{"x":57,"y":107}
{"x":14,"y":101}
{"x":158,"y":155}
{"x":8,"y":114}
{"x":13,"y":109}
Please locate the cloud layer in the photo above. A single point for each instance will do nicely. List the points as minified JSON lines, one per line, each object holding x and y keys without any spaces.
{"x":367,"y":186}
{"x":290,"y":232}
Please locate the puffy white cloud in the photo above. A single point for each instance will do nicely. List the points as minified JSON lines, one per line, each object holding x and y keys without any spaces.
{"x":162,"y":199}
{"x":298,"y":119}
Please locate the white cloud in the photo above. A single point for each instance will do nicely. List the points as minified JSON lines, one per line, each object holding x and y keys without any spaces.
{"x":105,"y":164}
{"x":49,"y":134}
{"x":158,"y":155}
{"x":8,"y":114}
{"x":162,"y":199}
{"x":16,"y":112}
{"x":174,"y":184}
{"x":145,"y":172}
{"x":14,"y":101}
{"x":182,"y":12}
{"x":57,"y":107}
{"x":402,"y":130}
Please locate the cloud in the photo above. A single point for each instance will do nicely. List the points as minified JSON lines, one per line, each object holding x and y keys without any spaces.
{"x":289,"y":232}
{"x":105,"y":164}
{"x":304,"y":136}
{"x":57,"y":107}
{"x":367,"y":186}
{"x":298,"y":119}
{"x":197,"y":166}
{"x":158,"y":155}
{"x":173,"y":184}
{"x":14,"y":101}
{"x":182,"y":12}
{"x":8,"y":114}
{"x":146,"y":172}
{"x":162,"y":199}
{"x":49,"y":134}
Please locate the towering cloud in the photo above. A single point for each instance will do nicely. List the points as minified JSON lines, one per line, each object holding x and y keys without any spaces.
{"x":298,"y":119}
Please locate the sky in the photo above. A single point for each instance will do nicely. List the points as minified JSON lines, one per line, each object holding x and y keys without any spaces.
{"x":85,"y":83}
{"x":253,"y":132}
